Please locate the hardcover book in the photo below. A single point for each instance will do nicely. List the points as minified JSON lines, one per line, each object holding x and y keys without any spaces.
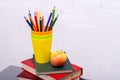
{"x":24,"y":75}
{"x":47,"y":68}
{"x":28,"y":65}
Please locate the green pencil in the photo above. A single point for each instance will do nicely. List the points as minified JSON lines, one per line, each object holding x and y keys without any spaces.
{"x":54,"y":22}
{"x":53,"y":13}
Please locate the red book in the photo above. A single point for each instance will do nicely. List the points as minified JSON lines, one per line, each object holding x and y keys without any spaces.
{"x":24,"y":75}
{"x":28,"y":65}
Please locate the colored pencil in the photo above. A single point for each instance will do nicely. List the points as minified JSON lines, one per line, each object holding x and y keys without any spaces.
{"x":53,"y":13}
{"x":31,"y":20}
{"x":29,"y":23}
{"x":50,"y":25}
{"x":48,"y":22}
{"x":54,"y":22}
{"x":40,"y":24}
{"x":36,"y":21}
{"x":29,"y":13}
{"x":39,"y":15}
{"x":43,"y":23}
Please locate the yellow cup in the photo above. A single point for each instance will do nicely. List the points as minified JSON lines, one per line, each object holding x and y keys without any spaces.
{"x":41,"y":42}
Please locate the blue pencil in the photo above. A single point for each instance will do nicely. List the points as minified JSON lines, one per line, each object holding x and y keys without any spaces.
{"x":29,"y":23}
{"x":48,"y":22}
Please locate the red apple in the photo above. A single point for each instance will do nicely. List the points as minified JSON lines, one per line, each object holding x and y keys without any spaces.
{"x":58,"y":58}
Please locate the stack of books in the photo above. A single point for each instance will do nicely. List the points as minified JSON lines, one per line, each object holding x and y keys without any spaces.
{"x":32,"y":70}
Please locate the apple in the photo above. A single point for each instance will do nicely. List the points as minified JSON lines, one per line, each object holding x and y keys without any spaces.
{"x":58,"y":58}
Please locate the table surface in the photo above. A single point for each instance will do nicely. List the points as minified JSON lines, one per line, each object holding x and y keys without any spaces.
{"x":11,"y":72}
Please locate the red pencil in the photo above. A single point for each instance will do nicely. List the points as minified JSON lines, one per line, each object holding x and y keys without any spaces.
{"x":36,"y":21}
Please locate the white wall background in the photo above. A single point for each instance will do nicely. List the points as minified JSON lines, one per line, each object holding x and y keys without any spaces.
{"x":88,"y":30}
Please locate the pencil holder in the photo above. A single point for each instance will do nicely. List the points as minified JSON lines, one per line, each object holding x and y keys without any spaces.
{"x":41,"y":42}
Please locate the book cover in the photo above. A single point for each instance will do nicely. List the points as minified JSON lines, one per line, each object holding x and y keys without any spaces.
{"x":28,"y":65}
{"x":47,"y":68}
{"x":24,"y":75}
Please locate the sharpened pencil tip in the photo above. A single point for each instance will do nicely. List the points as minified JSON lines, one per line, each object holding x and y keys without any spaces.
{"x":25,"y":18}
{"x":57,"y":16}
{"x":29,"y":13}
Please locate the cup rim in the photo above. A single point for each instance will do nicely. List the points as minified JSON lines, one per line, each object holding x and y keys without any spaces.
{"x":41,"y":33}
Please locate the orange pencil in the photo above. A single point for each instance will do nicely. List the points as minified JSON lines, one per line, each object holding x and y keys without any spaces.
{"x":31,"y":20}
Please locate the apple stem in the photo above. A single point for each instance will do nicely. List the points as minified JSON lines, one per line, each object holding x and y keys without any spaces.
{"x":64,"y":52}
